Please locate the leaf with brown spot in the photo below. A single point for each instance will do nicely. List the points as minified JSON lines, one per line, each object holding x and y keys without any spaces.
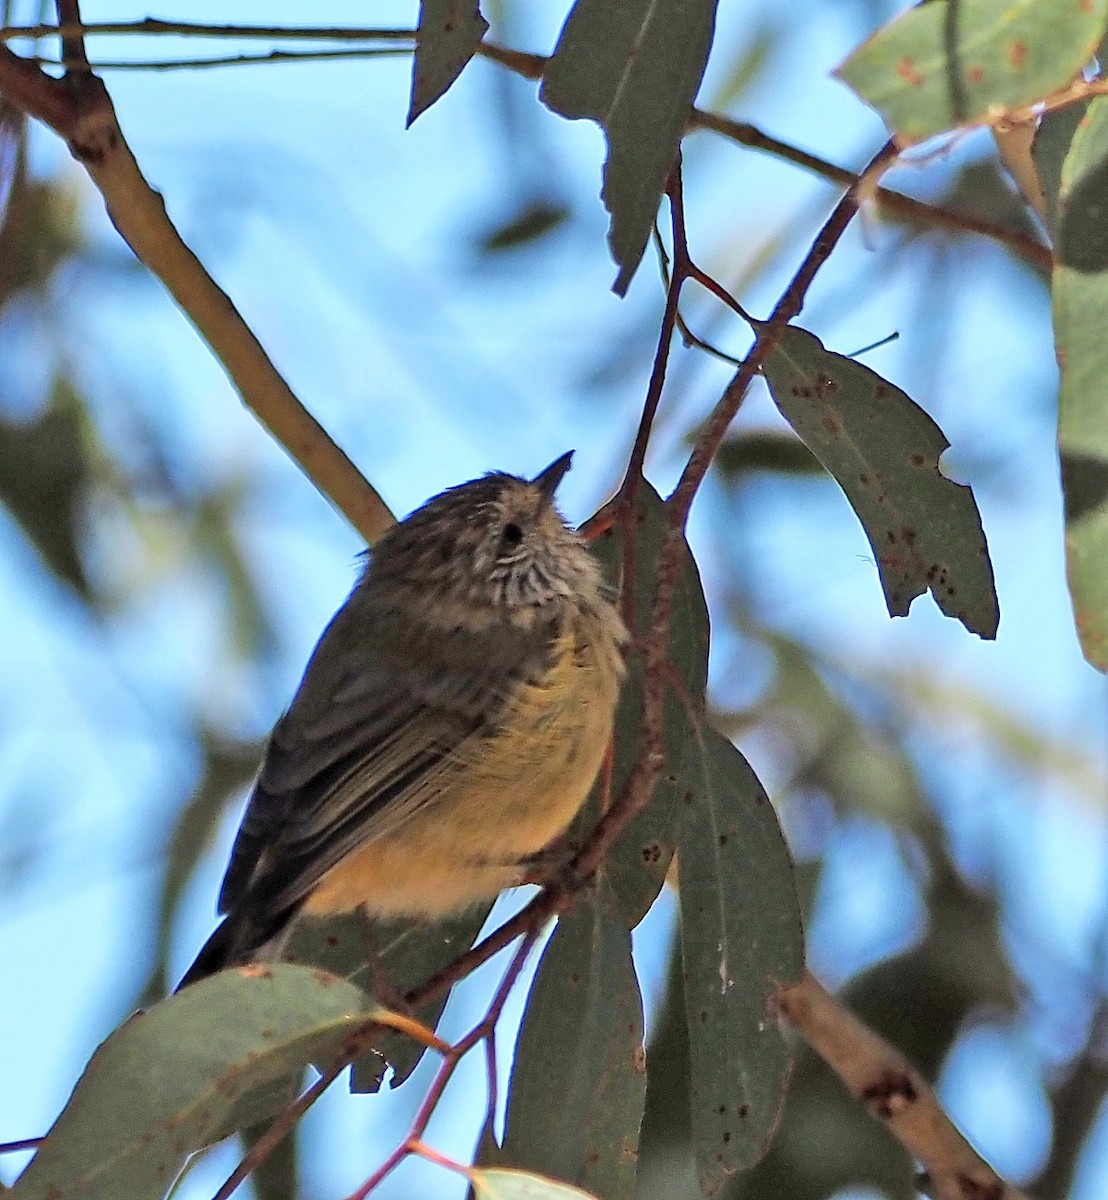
{"x":925,"y":529}
{"x":449,"y":32}
{"x":953,"y":63}
{"x":576,"y":1096}
{"x":741,"y":937}
{"x":636,"y":865}
{"x":221,"y":1055}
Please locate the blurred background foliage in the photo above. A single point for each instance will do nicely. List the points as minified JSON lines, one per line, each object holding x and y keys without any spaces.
{"x":439,"y":299}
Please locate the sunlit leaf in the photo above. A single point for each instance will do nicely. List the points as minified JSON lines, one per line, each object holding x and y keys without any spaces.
{"x":499,"y":1184}
{"x":449,"y":32}
{"x":219,"y":1056}
{"x":634,"y":68}
{"x":741,"y":938}
{"x":578,"y":1081}
{"x":925,"y":529}
{"x":1080,"y":287}
{"x":955,"y":62}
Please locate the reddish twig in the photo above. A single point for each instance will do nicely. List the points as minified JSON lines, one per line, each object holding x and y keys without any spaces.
{"x":21,"y":1144}
{"x":482,"y":1031}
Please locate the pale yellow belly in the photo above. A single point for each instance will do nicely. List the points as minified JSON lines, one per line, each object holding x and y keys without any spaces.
{"x":518,"y":794}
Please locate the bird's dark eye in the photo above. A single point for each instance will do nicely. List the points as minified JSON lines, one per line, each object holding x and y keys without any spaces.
{"x":512,"y":534}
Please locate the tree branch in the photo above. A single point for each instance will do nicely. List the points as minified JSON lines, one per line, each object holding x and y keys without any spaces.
{"x":531,"y":66}
{"x":892,"y":1091}
{"x":80,"y":110}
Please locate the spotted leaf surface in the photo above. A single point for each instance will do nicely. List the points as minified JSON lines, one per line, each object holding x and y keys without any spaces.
{"x":956,"y":62}
{"x":883,"y":449}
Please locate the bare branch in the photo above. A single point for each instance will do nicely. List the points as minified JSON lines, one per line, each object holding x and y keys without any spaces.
{"x":892,"y":1091}
{"x":84,"y":116}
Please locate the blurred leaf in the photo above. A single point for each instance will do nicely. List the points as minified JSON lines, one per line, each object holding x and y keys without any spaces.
{"x":1076,"y":1105}
{"x":39,"y":229}
{"x":278,"y":1176}
{"x":956,"y":62}
{"x":634,"y":68}
{"x":741,"y":938}
{"x":747,"y":66}
{"x":535,"y":220}
{"x":1051,"y":145}
{"x":224,"y":1054}
{"x":959,"y":968}
{"x":251,"y":631}
{"x":1080,"y":289}
{"x":981,"y":189}
{"x":449,"y":32}
{"x":637,"y":864}
{"x":578,"y":1081}
{"x":766,"y":450}
{"x":519,"y":1185}
{"x":45,"y":476}
{"x":229,"y":766}
{"x":404,"y":955}
{"x":883,"y":450}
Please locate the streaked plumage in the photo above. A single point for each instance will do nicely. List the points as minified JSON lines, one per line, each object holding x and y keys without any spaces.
{"x":449,"y":724}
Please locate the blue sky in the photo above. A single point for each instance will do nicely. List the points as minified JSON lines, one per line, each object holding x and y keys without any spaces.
{"x":348,"y":243}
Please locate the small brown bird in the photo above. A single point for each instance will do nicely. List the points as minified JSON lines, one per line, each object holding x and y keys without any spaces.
{"x":449,"y":725}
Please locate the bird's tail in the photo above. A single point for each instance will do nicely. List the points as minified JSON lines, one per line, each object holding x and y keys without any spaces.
{"x":237,"y":939}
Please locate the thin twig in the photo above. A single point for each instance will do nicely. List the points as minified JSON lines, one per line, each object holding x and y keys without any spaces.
{"x":21,"y":1144}
{"x":879,"y":1077}
{"x":235,"y":60}
{"x":531,"y":66}
{"x":1034,"y":251}
{"x":483,"y":1030}
{"x":152,"y":27}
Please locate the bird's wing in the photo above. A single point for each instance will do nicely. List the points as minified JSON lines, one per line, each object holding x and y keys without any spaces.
{"x":362,"y":747}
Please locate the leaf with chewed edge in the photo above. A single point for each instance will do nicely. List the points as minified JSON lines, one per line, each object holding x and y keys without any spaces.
{"x":634,"y":68}
{"x":883,"y":450}
{"x":449,"y":32}
{"x":741,"y":938}
{"x":219,"y":1056}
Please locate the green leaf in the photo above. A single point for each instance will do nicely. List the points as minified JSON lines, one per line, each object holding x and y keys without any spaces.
{"x":884,"y":450}
{"x":741,"y":938}
{"x":219,"y":1056}
{"x":1052,"y":143}
{"x":635,"y":68}
{"x":578,"y":1082}
{"x":766,"y":450}
{"x":500,"y":1184}
{"x":405,"y":954}
{"x":449,"y":32}
{"x":1080,"y":288}
{"x":951,"y":63}
{"x":636,"y":865}
{"x":45,"y":477}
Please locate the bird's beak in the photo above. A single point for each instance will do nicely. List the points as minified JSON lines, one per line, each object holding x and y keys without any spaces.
{"x":547,"y":481}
